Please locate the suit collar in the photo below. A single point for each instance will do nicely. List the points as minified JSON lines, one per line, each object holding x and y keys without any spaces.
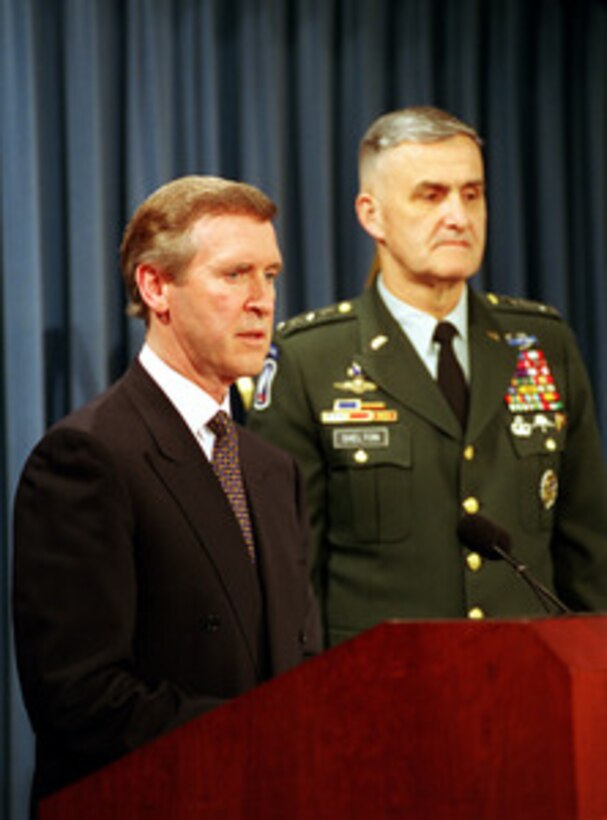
{"x":162,"y":420}
{"x":194,"y":404}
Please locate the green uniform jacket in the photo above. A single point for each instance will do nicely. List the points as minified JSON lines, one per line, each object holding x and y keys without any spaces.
{"x":389,"y":472}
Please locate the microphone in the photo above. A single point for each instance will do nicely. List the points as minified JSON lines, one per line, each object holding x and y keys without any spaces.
{"x":491,"y":541}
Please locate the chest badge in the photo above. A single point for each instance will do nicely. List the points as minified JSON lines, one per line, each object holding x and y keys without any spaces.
{"x":532,"y":387}
{"x":356,"y":382}
{"x":356,"y":411}
{"x":549,"y":489}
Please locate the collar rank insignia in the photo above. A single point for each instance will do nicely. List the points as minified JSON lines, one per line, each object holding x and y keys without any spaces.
{"x":532,"y":387}
{"x":358,"y":412}
{"x":356,"y":382}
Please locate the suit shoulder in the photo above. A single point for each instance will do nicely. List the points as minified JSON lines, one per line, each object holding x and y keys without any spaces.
{"x":337,"y":313}
{"x":515,"y":305}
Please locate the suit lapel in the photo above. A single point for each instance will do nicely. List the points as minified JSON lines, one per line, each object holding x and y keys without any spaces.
{"x":280,"y":542}
{"x":178,"y":461}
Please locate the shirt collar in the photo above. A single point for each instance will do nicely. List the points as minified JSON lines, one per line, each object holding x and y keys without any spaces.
{"x":194,"y":404}
{"x":419,"y":324}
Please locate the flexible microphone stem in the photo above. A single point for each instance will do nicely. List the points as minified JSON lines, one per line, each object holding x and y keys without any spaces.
{"x":543,"y":592}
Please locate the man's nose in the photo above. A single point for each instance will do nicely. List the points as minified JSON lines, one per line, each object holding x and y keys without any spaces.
{"x":262,"y":293}
{"x":456,"y":211}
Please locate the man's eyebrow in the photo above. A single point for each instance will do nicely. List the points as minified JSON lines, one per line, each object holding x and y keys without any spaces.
{"x":245,"y":267}
{"x":435,"y":183}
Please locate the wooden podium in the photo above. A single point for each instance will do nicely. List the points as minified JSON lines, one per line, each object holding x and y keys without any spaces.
{"x":470,"y":720}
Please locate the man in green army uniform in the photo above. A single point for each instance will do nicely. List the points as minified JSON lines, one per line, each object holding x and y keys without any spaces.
{"x":351,"y":390}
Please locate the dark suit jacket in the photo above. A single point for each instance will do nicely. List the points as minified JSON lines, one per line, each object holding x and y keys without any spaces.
{"x":136,"y":607}
{"x":386,"y":494}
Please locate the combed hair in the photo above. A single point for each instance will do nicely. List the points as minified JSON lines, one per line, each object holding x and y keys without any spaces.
{"x":421,"y":124}
{"x":159,"y":232}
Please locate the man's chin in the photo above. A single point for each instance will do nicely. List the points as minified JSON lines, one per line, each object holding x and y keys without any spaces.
{"x":446,"y":278}
{"x":456,"y":264}
{"x":455,"y":273}
{"x":252,"y":364}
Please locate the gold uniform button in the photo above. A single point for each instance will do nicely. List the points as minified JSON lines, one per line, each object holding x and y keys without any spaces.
{"x":476,"y":613}
{"x":469,"y":452}
{"x":471,"y":505}
{"x":361,"y":456}
{"x":550,"y":444}
{"x":474,"y":561}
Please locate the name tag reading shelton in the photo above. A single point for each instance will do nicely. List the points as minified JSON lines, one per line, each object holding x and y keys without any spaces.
{"x":345,"y":438}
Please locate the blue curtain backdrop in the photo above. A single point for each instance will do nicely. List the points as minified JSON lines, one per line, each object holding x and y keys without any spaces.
{"x":101,"y":101}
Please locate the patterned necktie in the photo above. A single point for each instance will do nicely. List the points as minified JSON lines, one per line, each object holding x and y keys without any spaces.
{"x":450,"y":376}
{"x":226,"y":465}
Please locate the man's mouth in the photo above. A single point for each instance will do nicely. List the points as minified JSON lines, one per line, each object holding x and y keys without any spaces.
{"x":254,"y":335}
{"x":455,"y":242}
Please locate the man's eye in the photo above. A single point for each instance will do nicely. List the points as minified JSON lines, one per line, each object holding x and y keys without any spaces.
{"x":432,"y":195}
{"x":472,"y":194}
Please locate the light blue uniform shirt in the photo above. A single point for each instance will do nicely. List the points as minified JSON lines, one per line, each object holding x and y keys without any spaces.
{"x":419,"y":328}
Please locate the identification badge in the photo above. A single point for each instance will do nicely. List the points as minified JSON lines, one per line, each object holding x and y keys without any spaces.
{"x":344,"y":438}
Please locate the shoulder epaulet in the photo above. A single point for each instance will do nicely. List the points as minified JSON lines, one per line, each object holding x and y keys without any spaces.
{"x":314,"y":318}
{"x":514,"y":304}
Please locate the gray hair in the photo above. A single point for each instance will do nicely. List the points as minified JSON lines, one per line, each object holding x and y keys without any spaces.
{"x":421,"y":124}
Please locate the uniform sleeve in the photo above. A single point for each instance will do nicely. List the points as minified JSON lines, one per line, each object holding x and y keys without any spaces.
{"x":285,"y":417}
{"x":580,"y":537}
{"x":75,"y":605}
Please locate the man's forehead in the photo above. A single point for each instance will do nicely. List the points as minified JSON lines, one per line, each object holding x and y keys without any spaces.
{"x":437,"y":160}
{"x":239,"y":240}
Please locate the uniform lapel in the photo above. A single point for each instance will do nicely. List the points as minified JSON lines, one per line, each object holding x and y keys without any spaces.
{"x":492,"y":362}
{"x":397,"y":369}
{"x":177,"y":460}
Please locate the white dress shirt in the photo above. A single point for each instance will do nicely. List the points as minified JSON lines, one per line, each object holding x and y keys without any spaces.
{"x":195,"y":406}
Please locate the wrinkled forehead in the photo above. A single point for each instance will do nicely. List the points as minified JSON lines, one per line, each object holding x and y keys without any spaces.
{"x":455,"y":160}
{"x":459,"y":152}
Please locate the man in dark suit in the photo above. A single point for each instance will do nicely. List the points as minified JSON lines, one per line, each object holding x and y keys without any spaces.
{"x":150,"y":585}
{"x":394,"y":457}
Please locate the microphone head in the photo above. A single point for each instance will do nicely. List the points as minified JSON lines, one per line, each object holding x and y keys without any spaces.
{"x":482,"y":536}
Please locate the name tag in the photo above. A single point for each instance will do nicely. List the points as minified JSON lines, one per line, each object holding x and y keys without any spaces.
{"x":345,"y":438}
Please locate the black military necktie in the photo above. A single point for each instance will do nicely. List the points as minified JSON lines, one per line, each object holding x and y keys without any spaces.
{"x":450,"y":377}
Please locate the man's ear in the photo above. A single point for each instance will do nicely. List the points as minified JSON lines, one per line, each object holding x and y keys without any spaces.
{"x":152,"y":284}
{"x":369,"y":213}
